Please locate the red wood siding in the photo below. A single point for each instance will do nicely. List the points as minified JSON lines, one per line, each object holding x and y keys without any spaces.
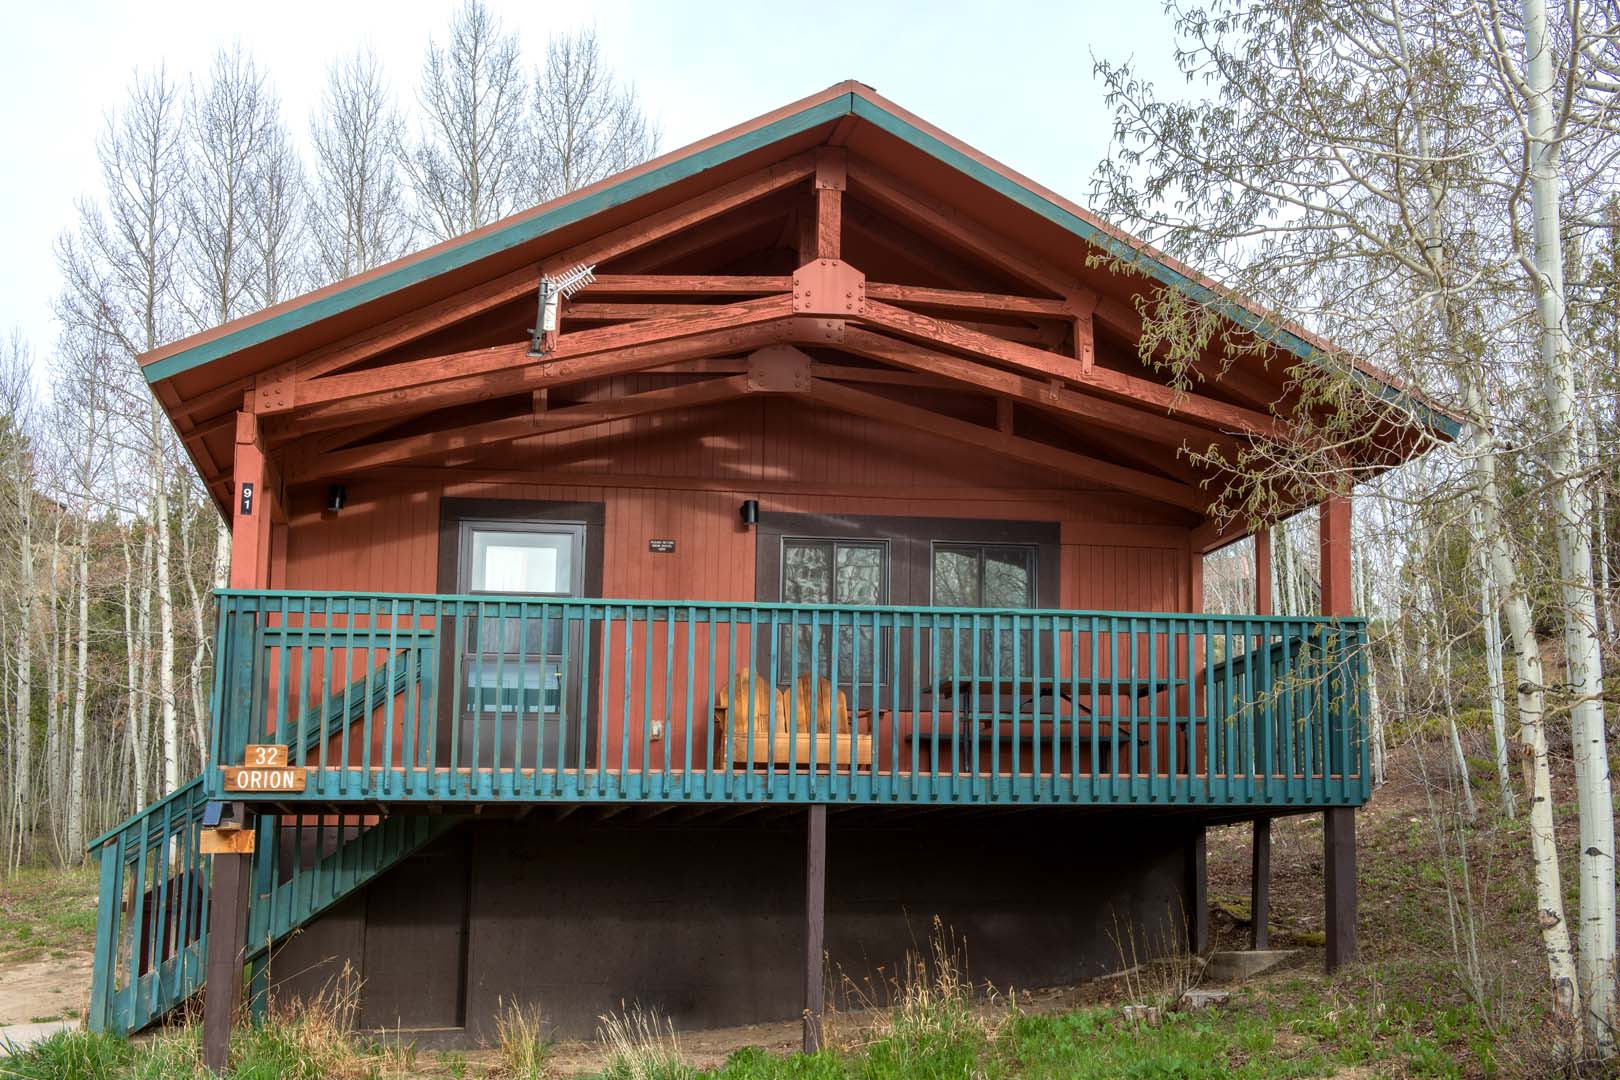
{"x":684,"y":477}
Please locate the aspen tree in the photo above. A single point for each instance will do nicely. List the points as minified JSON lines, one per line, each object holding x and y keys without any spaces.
{"x":585,"y":124}
{"x":358,"y":213}
{"x":1547,"y":110}
{"x":467,"y":163}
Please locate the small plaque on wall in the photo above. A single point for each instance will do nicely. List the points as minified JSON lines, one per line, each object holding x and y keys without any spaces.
{"x":662,"y":547}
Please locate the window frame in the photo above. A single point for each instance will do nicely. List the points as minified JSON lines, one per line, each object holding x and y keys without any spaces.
{"x":873,"y":655}
{"x":881,"y":544}
{"x":983,"y":546}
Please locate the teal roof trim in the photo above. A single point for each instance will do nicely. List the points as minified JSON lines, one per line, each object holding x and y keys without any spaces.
{"x":498,"y":240}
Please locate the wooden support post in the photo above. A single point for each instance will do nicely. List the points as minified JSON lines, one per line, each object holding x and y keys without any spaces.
{"x":253,"y":506}
{"x":829,"y":187}
{"x":1333,"y":531}
{"x":1262,"y":572}
{"x":815,"y":925}
{"x":1197,"y":914}
{"x":1339,"y":883}
{"x":1339,"y":822}
{"x":1260,"y":886}
{"x":227,"y":941}
{"x":1260,"y":860}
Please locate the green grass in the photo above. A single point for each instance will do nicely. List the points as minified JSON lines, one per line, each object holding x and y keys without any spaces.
{"x":1291,"y":1029}
{"x":1255,"y":1043}
{"x":46,"y":913}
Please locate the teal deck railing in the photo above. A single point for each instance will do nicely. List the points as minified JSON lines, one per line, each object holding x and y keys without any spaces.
{"x":433,"y":699}
{"x":153,"y":908}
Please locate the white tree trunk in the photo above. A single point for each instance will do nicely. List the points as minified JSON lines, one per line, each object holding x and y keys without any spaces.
{"x":22,"y":737}
{"x":1459,"y":760}
{"x":1572,"y":519}
{"x":81,"y":696}
{"x":198,"y":604}
{"x":54,"y":773}
{"x":1598,"y":496}
{"x":1527,"y":666}
{"x":165,"y":602}
{"x":135,"y":727}
{"x":1495,"y":682}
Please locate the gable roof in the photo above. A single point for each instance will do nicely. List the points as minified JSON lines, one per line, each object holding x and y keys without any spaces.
{"x":797,"y":126}
{"x":200,"y":379}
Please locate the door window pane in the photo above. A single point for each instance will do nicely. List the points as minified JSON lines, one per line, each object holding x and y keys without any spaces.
{"x":531,"y":563}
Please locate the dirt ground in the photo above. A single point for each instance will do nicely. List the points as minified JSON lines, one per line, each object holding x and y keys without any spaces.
{"x":35,"y":990}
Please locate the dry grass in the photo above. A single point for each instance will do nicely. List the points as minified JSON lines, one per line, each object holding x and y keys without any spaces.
{"x":1156,"y":967}
{"x":523,"y":1048}
{"x":641,"y":1044}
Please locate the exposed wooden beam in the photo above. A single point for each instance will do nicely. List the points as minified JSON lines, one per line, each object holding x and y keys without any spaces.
{"x":1215,"y":534}
{"x":1040,"y":363}
{"x":1051,"y":396}
{"x":599,"y":312}
{"x":709,"y":285}
{"x":815,"y":925}
{"x":959,"y":301}
{"x":462,"y":438}
{"x":837,"y":372}
{"x":1004,"y":415}
{"x":331,"y":440}
{"x":1169,"y":537}
{"x":361,"y":346}
{"x":633,"y":312}
{"x":567,"y":372}
{"x":887,"y":410}
{"x":436,"y":382}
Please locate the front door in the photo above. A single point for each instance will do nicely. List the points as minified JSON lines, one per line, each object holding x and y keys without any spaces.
{"x":518,"y":669}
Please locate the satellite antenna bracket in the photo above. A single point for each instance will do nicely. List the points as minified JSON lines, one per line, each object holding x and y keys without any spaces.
{"x":554,"y":289}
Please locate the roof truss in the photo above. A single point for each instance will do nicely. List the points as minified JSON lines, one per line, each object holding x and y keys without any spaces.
{"x":1034,"y":350}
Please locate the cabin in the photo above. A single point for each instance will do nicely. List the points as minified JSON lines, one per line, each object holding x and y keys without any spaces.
{"x":690,"y":589}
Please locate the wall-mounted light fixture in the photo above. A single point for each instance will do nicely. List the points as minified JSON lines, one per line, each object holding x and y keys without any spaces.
{"x":750,"y":512}
{"x":336,"y":496}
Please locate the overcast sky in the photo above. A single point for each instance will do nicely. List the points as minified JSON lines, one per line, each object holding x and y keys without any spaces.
{"x":1011,"y":79}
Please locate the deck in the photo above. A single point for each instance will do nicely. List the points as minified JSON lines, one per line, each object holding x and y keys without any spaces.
{"x":440,"y":699}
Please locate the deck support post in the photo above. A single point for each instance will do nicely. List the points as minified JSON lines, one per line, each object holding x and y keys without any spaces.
{"x":1339,"y":883}
{"x":1338,"y":822}
{"x":1197,"y":915}
{"x":1260,"y":856}
{"x":227,"y":941}
{"x":815,"y":925}
{"x":1260,"y":886}
{"x":254,"y":501}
